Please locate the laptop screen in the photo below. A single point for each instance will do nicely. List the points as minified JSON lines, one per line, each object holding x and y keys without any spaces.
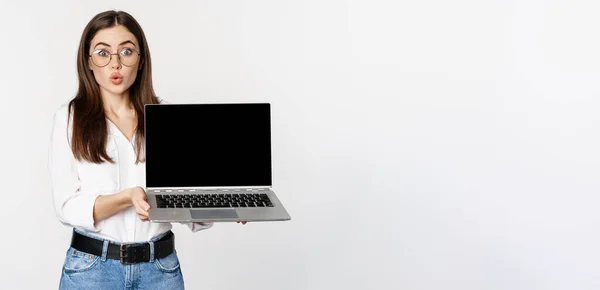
{"x":213,"y":145}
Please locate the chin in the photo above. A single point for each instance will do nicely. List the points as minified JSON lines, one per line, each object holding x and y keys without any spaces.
{"x":116,"y":90}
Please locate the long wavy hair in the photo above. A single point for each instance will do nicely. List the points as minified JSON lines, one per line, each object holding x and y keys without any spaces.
{"x":90,"y":132}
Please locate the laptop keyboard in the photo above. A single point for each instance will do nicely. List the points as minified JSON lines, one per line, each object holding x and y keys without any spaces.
{"x":212,"y":200}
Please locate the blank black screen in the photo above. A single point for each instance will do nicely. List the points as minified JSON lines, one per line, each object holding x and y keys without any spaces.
{"x":195,"y":145}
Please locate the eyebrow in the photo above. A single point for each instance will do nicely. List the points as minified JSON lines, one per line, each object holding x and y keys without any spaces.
{"x":124,"y":42}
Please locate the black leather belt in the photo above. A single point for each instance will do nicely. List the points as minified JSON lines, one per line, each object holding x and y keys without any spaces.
{"x":126,"y":253}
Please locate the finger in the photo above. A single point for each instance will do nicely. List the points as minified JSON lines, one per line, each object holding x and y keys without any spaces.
{"x":136,"y":204}
{"x":144,"y":205}
{"x":141,"y":205}
{"x":141,"y":212}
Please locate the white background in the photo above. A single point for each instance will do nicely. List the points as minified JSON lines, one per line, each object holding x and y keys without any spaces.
{"x":417,"y":144}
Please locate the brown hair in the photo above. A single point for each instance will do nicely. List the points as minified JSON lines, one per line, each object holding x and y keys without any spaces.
{"x":90,"y":132}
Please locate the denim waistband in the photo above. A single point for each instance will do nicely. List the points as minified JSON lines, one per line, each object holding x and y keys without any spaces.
{"x":88,"y":234}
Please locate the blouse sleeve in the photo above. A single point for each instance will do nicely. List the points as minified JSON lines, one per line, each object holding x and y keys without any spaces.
{"x":196,"y":227}
{"x":72,"y":206}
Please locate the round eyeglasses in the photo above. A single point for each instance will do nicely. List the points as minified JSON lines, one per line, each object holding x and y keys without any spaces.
{"x":127,"y":57}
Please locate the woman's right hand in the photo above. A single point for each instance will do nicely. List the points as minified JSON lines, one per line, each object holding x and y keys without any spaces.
{"x":137,"y":195}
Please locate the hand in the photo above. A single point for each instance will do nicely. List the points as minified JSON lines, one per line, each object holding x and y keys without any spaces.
{"x":242,"y":223}
{"x":137,"y":196}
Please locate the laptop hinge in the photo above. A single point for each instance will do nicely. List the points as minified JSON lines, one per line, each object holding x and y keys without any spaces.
{"x":204,"y":189}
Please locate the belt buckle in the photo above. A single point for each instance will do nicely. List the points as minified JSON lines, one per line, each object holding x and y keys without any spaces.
{"x":123,"y":254}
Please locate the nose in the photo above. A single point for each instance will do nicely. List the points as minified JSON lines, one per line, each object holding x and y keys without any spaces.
{"x":114,"y":61}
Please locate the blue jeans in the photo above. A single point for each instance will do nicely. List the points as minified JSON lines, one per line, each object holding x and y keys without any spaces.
{"x":86,"y":271}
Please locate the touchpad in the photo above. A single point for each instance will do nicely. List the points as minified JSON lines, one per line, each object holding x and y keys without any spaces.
{"x":213,"y":213}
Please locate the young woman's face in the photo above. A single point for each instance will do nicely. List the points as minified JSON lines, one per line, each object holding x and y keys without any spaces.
{"x":114,"y":76}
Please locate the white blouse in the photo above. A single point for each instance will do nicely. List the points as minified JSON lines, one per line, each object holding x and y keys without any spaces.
{"x":77,"y":184}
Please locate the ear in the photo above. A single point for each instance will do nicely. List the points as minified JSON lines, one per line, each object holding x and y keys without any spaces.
{"x":141,"y":64}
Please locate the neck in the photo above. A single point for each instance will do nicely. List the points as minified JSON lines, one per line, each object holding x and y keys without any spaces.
{"x":116,"y":104}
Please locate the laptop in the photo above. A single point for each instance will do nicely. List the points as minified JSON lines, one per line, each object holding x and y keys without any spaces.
{"x":210,"y":163}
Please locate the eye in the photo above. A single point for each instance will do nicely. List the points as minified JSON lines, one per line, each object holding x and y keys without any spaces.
{"x":126,"y":51}
{"x":101,"y":52}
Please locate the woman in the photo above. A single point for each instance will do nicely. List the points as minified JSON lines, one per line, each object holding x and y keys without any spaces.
{"x":97,"y":166}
